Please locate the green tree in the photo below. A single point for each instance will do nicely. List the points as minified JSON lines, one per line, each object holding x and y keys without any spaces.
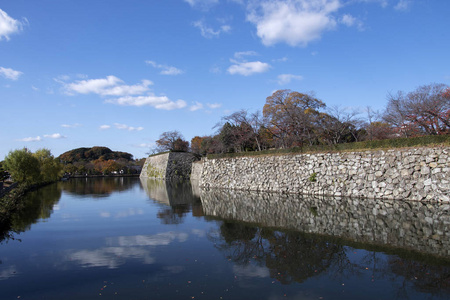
{"x":23,"y":166}
{"x":50,"y":167}
{"x":3,"y":173}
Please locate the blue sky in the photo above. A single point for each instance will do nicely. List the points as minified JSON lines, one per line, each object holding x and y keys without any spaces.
{"x":115,"y":73}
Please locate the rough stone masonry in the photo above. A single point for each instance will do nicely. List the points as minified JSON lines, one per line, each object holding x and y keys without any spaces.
{"x":419,"y":174}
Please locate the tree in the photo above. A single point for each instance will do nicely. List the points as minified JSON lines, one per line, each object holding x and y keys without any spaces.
{"x":109,"y":166}
{"x":23,"y":166}
{"x":379,"y":131}
{"x":3,"y":173}
{"x":50,"y":168}
{"x":196,"y":144}
{"x":339,"y":125}
{"x":172,"y":141}
{"x":246,"y":129}
{"x":423,"y":111}
{"x":180,"y":145}
{"x":293,"y":117}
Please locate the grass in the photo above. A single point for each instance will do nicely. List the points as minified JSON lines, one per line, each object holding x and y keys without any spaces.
{"x":423,"y":141}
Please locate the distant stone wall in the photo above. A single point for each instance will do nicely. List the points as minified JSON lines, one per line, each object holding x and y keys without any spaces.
{"x":421,"y":174}
{"x":197,"y":169}
{"x":171,"y":165}
{"x":411,"y":225}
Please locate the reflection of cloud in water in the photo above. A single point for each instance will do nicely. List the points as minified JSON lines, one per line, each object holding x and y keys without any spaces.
{"x":251,"y":271}
{"x":304,"y":295}
{"x":199,"y":232}
{"x":129,"y":212}
{"x":70,"y":217}
{"x":8,"y":273}
{"x":122,"y":248}
{"x":105,"y":214}
{"x":174,"y":269}
{"x":122,"y":214}
{"x":110,"y":257}
{"x":160,"y":239}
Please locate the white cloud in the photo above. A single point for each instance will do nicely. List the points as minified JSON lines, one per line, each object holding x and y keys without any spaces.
{"x":196,"y":106}
{"x":215,"y":69}
{"x":383,"y":3}
{"x":248,"y":68}
{"x":109,"y":86}
{"x":159,"y":102}
{"x":146,"y":145}
{"x":214,"y":105}
{"x":402,"y":5}
{"x":241,"y":55}
{"x":287,"y":78}
{"x":54,"y":136}
{"x":104,"y":127}
{"x":165,"y":70}
{"x":71,"y":125}
{"x":10,"y":73}
{"x":126,"y":127}
{"x":9,"y":25}
{"x":31,"y":139}
{"x":283,"y":59}
{"x":209,"y":32}
{"x":127,"y":95}
{"x":349,"y":21}
{"x":203,"y":4}
{"x":295,"y":22}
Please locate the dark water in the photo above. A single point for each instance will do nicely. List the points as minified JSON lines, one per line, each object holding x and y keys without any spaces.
{"x":126,"y":239}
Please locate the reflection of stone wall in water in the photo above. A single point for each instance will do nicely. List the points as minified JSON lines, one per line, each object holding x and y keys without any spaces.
{"x":414,"y":225}
{"x":172,"y":165}
{"x":409,"y":174}
{"x":155,"y":189}
{"x":170,"y":192}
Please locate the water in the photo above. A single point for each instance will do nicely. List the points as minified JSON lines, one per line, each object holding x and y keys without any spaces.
{"x":120,"y":238}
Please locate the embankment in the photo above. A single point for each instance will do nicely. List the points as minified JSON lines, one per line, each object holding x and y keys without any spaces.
{"x":418,"y":174}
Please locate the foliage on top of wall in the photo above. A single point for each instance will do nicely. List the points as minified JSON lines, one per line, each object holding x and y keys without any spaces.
{"x":430,"y":140}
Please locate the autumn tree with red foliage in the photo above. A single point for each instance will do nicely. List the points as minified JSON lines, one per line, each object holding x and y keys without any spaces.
{"x":425,"y":111}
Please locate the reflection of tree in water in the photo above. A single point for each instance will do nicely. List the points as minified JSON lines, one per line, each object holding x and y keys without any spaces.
{"x":296,"y":256}
{"x":98,"y":187}
{"x":290,"y":256}
{"x":35,"y":205}
{"x":425,"y":277}
{"x":173,"y":214}
{"x":5,"y":231}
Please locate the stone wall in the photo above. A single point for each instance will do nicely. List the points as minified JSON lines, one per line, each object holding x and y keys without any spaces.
{"x":197,"y":169}
{"x":171,"y":165}
{"x":420,"y":174}
{"x":412,"y":225}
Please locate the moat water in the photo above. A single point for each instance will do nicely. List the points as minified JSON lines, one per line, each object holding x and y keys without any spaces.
{"x":126,"y":238}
